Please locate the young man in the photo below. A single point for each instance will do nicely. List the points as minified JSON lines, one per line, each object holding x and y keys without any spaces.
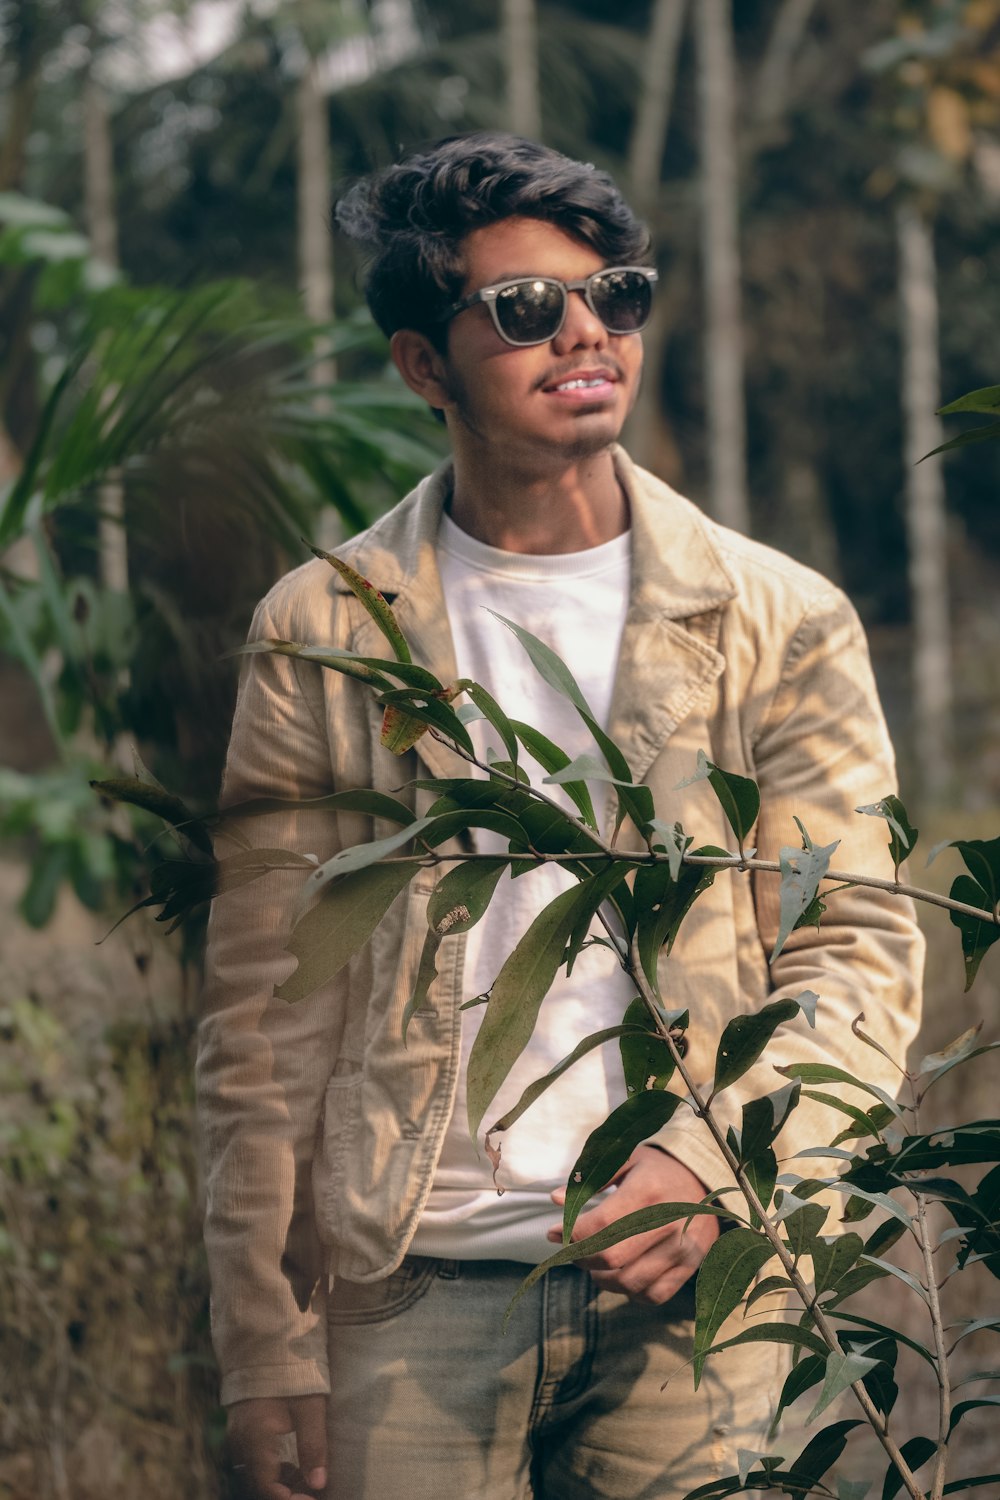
{"x":361,"y":1258}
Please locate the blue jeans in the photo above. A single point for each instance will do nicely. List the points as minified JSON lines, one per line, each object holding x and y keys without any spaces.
{"x":432,"y":1401}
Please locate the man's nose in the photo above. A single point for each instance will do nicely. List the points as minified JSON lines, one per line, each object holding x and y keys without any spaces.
{"x":582,"y":328}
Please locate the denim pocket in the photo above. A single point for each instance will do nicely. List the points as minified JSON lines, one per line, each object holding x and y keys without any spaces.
{"x":356,"y":1302}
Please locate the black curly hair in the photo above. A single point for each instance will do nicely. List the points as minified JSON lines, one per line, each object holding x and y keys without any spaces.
{"x":411,"y":218}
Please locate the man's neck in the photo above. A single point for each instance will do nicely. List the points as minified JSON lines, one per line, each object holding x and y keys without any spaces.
{"x":569,"y":509}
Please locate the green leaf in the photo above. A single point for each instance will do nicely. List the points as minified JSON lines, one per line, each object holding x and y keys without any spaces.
{"x":491,"y":710}
{"x":745,"y":1038}
{"x":609,"y":1147}
{"x":517,"y":994}
{"x":801,"y":1378}
{"x":739,"y":796}
{"x":343,"y":920}
{"x":775,"y":1333}
{"x":641,"y":1220}
{"x":766,"y":1288}
{"x":360,"y":856}
{"x":985,"y":400}
{"x":988,"y":434}
{"x":802,"y":870}
{"x":842,"y":1370}
{"x":832,"y":1257}
{"x":822,"y":1452}
{"x":828,"y":1073}
{"x":866,"y":1124}
{"x":551,"y":758}
{"x":802,"y":1226}
{"x":888,"y":1333}
{"x":852,"y":1489}
{"x":550,"y":667}
{"x":428,"y":709}
{"x":673,"y":841}
{"x":646,"y":1059}
{"x":585,"y":767}
{"x":534,"y":1090}
{"x":426,"y":975}
{"x":662,"y":904}
{"x":982,"y":860}
{"x":461,"y":897}
{"x":762,"y":1174}
{"x":915,"y":1453}
{"x":155,"y":800}
{"x":725,"y":1274}
{"x":957,"y":1485}
{"x":964,"y":1407}
{"x":763,"y":1119}
{"x":361,"y":800}
{"x":902,"y":834}
{"x":977,"y":937}
{"x":368,"y":595}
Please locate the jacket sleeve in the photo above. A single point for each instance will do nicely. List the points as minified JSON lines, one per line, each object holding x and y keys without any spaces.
{"x":820,"y":751}
{"x":263,"y":1064}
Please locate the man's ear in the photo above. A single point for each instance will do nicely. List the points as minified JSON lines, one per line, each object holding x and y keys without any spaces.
{"x":421,"y":366}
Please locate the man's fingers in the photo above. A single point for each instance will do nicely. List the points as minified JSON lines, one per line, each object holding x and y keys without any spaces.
{"x":309,"y":1414}
{"x":256,"y":1430}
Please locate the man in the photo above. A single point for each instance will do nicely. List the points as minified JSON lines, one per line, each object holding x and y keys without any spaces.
{"x":361,"y":1258}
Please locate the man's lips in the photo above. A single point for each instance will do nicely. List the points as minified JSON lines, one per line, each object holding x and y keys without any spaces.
{"x":583,"y":385}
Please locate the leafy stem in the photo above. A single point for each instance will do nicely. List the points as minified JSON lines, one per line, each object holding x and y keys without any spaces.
{"x":768,"y":1227}
{"x":921,"y":1231}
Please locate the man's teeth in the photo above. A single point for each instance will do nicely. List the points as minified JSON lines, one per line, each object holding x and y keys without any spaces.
{"x":578,"y":385}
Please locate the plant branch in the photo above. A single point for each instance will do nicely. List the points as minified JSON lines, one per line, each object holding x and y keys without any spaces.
{"x":943,"y":1374}
{"x":768,"y":1228}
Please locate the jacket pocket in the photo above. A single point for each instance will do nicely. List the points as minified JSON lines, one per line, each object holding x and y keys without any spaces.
{"x":377,"y":1301}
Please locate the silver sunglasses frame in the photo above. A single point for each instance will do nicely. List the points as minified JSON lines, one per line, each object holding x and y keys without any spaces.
{"x":489,"y":295}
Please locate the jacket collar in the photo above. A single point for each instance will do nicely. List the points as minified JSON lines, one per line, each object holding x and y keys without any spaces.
{"x":678,"y":574}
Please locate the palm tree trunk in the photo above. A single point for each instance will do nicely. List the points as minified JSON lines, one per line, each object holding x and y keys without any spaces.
{"x":926,"y":523}
{"x":726,"y":416}
{"x":102,"y":225}
{"x":520,"y":43}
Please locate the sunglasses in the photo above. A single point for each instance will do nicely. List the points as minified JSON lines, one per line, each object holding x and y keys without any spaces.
{"x":532,"y":309}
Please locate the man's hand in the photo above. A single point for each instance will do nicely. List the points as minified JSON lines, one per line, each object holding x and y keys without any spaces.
{"x":254,"y":1433}
{"x":650,"y":1267}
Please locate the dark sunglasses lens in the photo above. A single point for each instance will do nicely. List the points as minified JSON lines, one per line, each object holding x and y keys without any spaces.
{"x":623,"y":300}
{"x":529,"y":312}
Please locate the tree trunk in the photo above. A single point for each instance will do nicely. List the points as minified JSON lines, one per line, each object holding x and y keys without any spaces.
{"x":926,"y":524}
{"x":774,"y":77}
{"x":314,"y":179}
{"x":102,"y":226}
{"x":726,"y":415}
{"x":645,"y":158}
{"x":520,"y":43}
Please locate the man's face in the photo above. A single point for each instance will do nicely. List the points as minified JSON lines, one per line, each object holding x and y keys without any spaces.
{"x":522,"y":401}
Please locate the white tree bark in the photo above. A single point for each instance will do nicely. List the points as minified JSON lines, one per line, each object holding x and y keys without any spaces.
{"x":926,"y":522}
{"x":519,"y":21}
{"x":645,"y":157}
{"x":726,"y":415}
{"x":102,"y":226}
{"x":314,"y":180}
{"x":774,"y":77}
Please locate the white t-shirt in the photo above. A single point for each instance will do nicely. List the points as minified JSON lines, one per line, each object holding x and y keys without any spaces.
{"x":576,"y":603}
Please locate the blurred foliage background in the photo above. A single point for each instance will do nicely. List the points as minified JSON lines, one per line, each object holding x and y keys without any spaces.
{"x":189,"y":383}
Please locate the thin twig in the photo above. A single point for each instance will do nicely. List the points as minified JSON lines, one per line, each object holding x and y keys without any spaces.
{"x":943,"y":1374}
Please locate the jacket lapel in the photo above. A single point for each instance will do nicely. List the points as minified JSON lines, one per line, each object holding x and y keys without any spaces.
{"x":668,"y":655}
{"x":398,"y":556}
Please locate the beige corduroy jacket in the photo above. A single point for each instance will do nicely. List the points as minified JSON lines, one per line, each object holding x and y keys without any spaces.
{"x":320,"y":1132}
